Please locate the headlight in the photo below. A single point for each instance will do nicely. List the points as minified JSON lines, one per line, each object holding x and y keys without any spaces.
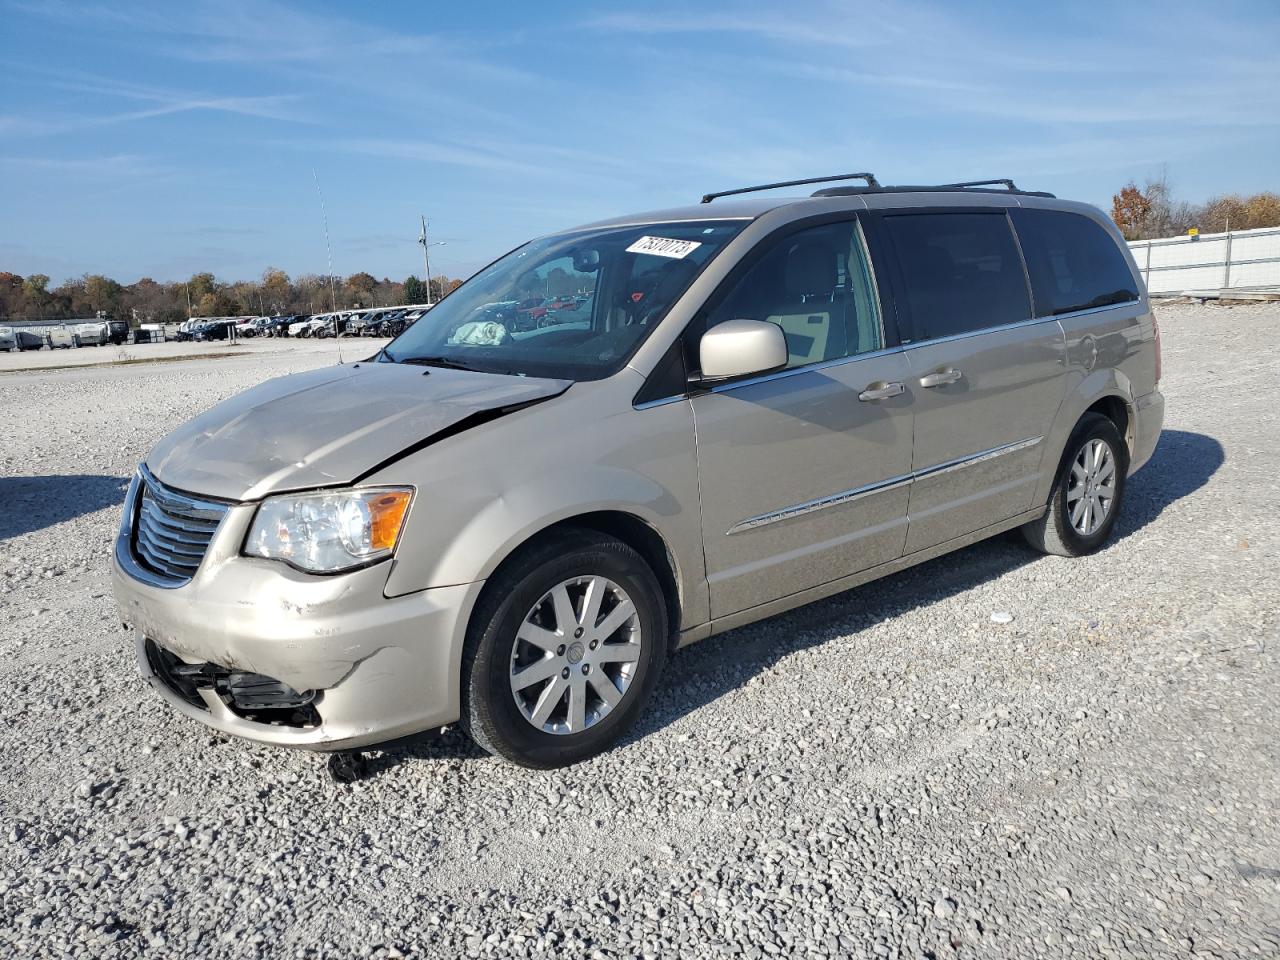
{"x":329,"y":530}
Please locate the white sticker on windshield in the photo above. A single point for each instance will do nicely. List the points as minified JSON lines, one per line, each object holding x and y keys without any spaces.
{"x":664,"y":247}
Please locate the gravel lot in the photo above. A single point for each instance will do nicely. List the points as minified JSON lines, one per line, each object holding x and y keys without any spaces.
{"x":889,"y":773}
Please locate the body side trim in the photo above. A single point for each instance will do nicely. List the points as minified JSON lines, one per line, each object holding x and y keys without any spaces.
{"x":812,"y":594}
{"x":893,"y":483}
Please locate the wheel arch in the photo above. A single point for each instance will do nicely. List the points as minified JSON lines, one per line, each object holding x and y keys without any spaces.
{"x":628,"y":528}
{"x":1107,"y":392}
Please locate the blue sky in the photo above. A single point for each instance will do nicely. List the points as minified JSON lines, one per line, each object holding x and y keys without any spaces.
{"x":163,"y":139}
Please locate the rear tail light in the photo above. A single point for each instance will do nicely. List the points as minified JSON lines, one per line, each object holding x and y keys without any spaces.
{"x":1156,"y":323}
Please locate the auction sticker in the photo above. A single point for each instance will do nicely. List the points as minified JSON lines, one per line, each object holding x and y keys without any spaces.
{"x":664,"y":247}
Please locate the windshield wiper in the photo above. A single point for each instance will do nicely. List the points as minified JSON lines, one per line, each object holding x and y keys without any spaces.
{"x":447,"y":362}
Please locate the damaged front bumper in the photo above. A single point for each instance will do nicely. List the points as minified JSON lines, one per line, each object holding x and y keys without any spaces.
{"x":259,"y":650}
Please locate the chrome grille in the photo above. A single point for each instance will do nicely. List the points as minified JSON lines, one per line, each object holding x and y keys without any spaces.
{"x":172,"y":530}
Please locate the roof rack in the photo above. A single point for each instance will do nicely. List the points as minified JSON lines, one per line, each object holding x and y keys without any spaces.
{"x":872,"y":184}
{"x":1008,"y":184}
{"x":975,"y":186}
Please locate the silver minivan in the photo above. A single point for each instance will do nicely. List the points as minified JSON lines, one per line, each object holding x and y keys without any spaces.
{"x":626,"y":437}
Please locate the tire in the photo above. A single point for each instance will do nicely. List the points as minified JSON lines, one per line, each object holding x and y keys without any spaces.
{"x":1056,"y":532}
{"x":525,"y":590}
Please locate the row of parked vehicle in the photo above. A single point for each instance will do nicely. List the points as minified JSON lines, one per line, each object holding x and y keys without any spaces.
{"x":375,"y":322}
{"x":63,"y":336}
{"x":383,"y":322}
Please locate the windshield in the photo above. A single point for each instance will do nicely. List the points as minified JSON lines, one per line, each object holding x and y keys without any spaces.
{"x":572,"y":306}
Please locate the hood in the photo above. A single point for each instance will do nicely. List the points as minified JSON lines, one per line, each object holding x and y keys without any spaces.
{"x":328,"y":427}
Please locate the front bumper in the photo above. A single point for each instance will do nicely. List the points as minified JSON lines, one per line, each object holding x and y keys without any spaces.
{"x":380,"y":667}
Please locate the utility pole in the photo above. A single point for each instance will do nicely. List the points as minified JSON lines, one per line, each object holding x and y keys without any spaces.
{"x":426,"y":258}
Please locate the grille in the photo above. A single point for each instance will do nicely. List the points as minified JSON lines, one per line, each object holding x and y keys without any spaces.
{"x":173,"y":530}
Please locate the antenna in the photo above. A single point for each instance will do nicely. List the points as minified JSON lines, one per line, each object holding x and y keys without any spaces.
{"x":333,"y":297}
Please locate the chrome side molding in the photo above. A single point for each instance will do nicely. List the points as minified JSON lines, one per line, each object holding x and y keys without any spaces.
{"x":893,"y":483}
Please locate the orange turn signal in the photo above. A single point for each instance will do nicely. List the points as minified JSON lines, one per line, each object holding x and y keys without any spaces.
{"x":387,"y":509}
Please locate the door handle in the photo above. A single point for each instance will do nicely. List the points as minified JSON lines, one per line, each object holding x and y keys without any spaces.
{"x":940,"y":379}
{"x":882,"y":392}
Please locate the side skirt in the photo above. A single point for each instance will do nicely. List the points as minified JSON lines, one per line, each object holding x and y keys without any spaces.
{"x":824,"y":590}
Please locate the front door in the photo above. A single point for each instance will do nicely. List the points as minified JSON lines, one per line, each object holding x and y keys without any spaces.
{"x":989,"y":379}
{"x":805,"y":472}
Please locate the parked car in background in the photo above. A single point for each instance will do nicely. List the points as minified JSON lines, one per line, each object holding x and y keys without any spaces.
{"x":809,"y":393}
{"x":91,"y":333}
{"x":20,"y":339}
{"x":58,"y":337}
{"x":299,"y":328}
{"x":216,"y":330}
{"x":393,"y":324}
{"x":529,"y":312}
{"x":356,"y":322}
{"x":278,"y":326}
{"x":328,"y":325}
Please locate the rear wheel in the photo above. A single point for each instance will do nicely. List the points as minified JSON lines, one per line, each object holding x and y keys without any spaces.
{"x":563,"y":650}
{"x":1087,"y":494}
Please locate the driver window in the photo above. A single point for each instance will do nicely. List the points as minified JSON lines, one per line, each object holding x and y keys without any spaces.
{"x":816,"y":285}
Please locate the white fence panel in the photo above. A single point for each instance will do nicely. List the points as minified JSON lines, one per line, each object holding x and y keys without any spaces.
{"x":1244,"y":260}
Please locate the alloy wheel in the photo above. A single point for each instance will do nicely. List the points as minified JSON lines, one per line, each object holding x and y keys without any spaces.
{"x":576,"y":654}
{"x":1091,"y":490}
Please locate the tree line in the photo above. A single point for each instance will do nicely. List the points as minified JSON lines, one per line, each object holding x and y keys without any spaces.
{"x":1150,"y":211}
{"x":203,"y":295}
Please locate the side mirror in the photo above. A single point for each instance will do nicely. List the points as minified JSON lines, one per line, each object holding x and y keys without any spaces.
{"x":736,"y":348}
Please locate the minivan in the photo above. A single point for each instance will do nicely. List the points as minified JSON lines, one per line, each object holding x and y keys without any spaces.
{"x":761,"y":402}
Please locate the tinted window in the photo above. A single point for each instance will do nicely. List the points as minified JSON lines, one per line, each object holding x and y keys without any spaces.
{"x":816,"y":285}
{"x":1074,"y":263}
{"x":962,"y":272}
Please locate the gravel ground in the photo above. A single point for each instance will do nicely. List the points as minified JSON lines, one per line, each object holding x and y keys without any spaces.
{"x":890,"y":773}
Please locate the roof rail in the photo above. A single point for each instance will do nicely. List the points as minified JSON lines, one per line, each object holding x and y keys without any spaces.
{"x":1008,"y":184}
{"x":972,"y":186}
{"x":869,"y":177}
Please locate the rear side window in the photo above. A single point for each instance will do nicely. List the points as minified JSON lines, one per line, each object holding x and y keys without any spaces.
{"x":1073,"y":262}
{"x":961,"y":272}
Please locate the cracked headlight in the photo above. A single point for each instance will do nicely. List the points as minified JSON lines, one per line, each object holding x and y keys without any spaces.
{"x":330,"y":530}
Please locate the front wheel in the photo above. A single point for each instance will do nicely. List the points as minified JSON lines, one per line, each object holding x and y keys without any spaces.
{"x":563,"y":650}
{"x":1087,"y":494}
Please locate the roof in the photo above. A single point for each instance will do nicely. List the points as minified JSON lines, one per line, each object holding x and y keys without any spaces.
{"x":853,"y":198}
{"x":727,"y":210}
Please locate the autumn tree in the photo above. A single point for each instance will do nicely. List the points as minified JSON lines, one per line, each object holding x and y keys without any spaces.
{"x":35,"y":291}
{"x":1130,"y":209}
{"x":277,"y":291}
{"x":1263,"y":210}
{"x":1233,"y":212}
{"x":103,"y":294}
{"x":360,"y":287}
{"x":199,"y":285}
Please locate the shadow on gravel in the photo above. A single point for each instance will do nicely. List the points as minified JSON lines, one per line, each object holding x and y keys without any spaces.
{"x":28,"y":504}
{"x":1183,"y":463}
